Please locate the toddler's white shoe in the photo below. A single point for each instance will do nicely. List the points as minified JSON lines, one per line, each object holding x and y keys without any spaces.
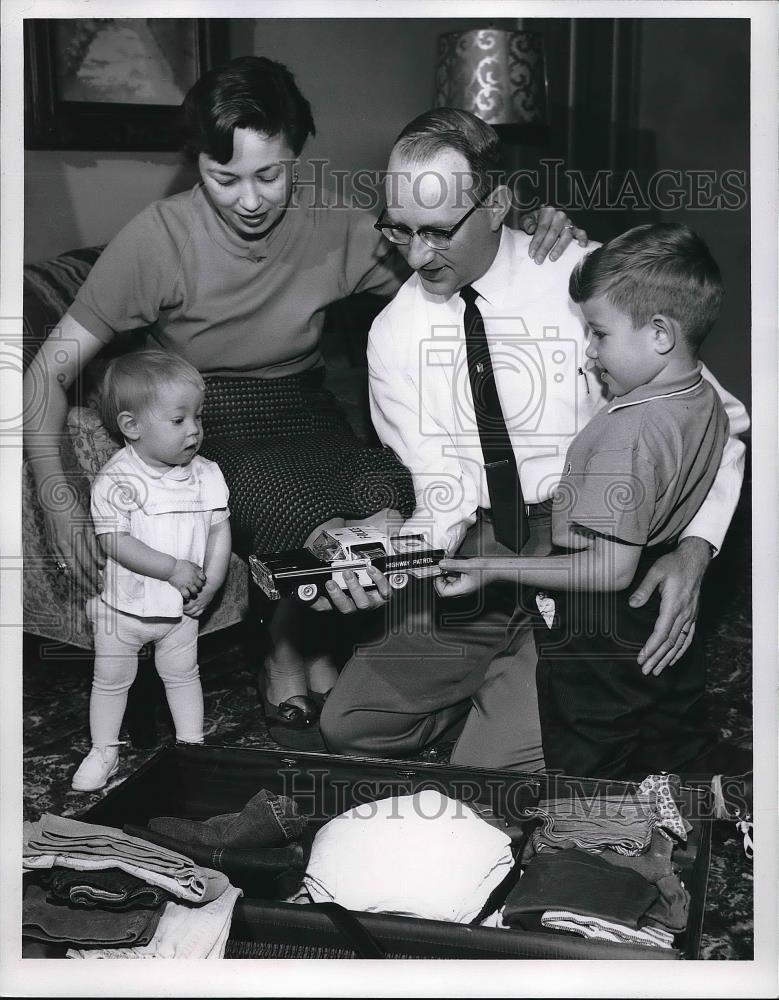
{"x":100,"y":764}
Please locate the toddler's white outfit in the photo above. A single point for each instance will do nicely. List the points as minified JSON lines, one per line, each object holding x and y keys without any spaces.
{"x":171,"y":511}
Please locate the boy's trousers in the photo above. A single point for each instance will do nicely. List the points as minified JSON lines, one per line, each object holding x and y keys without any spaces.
{"x":600,"y":716}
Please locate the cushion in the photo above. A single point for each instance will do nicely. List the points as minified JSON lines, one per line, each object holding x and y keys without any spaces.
{"x":49,"y":288}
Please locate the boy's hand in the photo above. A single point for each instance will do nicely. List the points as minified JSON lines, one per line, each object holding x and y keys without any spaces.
{"x":188,"y":578}
{"x":678,"y":577}
{"x":195,"y":607}
{"x":466,"y":577}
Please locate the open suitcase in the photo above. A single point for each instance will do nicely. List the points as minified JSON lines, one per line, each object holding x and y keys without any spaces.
{"x":202,"y":781}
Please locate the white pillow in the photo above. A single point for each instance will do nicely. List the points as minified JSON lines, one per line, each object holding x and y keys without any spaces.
{"x":422,"y":855}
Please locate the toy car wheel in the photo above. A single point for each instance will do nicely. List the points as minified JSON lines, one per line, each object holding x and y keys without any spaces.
{"x":398,"y":580}
{"x":307,"y":592}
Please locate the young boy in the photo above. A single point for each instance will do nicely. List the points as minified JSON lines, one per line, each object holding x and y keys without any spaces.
{"x":633,"y":479}
{"x":160,"y":514}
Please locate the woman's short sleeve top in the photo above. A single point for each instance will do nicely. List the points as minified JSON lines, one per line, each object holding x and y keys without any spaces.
{"x":233,"y":306}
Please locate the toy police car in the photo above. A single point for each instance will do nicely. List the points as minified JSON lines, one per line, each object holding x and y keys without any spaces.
{"x":304,"y":572}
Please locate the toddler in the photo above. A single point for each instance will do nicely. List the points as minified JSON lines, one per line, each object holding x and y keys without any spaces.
{"x":160,"y":514}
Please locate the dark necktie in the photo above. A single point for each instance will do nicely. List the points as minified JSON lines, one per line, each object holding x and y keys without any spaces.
{"x":500,"y":465}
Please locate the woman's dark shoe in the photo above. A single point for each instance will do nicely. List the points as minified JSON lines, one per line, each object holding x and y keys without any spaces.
{"x":298,"y":712}
{"x":295,"y":722}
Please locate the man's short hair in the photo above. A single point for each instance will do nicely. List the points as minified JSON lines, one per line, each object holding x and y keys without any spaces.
{"x":450,"y":128}
{"x":135,"y":381}
{"x":657,"y":268}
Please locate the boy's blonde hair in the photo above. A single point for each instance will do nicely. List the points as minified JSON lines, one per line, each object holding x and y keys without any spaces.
{"x":656,"y":268}
{"x":133,"y":382}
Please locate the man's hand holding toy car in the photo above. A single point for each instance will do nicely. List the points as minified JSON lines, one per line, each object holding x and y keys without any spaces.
{"x":363,"y":560}
{"x":357,"y":598}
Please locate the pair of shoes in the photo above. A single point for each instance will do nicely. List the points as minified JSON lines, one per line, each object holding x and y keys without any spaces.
{"x":733,"y":802}
{"x":100,"y":764}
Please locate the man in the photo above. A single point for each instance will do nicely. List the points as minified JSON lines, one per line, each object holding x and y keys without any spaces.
{"x":476,"y":674}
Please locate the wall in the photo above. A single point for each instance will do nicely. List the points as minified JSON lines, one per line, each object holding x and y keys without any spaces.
{"x":694,"y":99}
{"x":75,"y":199}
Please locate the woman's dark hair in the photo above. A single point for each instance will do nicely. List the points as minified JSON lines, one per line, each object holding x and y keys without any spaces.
{"x":249,"y":92}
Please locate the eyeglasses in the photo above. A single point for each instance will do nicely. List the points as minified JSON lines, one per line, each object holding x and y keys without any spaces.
{"x":436,"y":239}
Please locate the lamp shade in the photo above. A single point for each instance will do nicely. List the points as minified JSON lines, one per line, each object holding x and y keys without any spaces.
{"x":498,"y":75}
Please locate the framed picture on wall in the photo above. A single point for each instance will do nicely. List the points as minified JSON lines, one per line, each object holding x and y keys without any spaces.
{"x":113,"y":83}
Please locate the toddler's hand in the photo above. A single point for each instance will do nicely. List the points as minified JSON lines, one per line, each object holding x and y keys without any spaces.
{"x":194,"y":608}
{"x":187,"y":578}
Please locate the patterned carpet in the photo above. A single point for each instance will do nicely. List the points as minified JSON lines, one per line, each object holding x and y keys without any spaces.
{"x":56,"y":691}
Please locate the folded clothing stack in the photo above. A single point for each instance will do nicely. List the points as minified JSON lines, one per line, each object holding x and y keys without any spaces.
{"x":589,"y":897}
{"x":101,"y":890}
{"x":184,"y":931}
{"x":422,"y":855}
{"x":45,"y":919}
{"x":623,"y":823}
{"x":602,"y":867}
{"x":68,"y":843}
{"x":101,"y":908}
{"x":671,"y":907}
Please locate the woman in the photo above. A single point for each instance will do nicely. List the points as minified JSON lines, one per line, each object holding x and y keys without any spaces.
{"x":235,"y":276}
